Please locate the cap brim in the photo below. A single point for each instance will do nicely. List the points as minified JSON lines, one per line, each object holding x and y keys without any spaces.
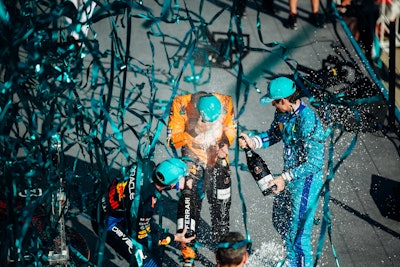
{"x":208,"y":119}
{"x":266,"y":99}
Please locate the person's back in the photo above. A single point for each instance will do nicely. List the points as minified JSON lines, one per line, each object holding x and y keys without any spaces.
{"x":232,"y":250}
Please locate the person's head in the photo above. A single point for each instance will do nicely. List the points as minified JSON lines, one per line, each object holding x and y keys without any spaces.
{"x":282,"y":93}
{"x":232,"y":250}
{"x":209,"y":108}
{"x":169,"y":172}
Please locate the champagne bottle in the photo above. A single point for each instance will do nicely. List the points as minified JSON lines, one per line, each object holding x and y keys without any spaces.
{"x":186,"y":214}
{"x":222,"y":179}
{"x":259,"y":170}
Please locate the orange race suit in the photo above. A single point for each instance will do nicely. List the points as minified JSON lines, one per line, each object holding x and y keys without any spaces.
{"x":201,"y":145}
{"x":182,"y":122}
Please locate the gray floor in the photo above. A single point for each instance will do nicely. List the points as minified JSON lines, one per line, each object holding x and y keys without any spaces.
{"x":362,"y":233}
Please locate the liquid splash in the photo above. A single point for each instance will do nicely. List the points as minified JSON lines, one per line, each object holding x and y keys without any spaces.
{"x":269,"y":254}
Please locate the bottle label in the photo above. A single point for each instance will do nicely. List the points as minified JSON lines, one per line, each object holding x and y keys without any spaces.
{"x":263,"y":182}
{"x":223,"y":194}
{"x":190,"y":224}
{"x":186,"y":219}
{"x":257,"y":170}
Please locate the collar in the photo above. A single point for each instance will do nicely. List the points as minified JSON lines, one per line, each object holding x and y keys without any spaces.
{"x":288,"y":116}
{"x":299,"y":109}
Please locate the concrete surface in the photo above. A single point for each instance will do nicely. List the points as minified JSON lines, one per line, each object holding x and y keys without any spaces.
{"x":365,"y":186}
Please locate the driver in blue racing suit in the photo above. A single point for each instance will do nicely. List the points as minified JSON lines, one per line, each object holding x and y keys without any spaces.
{"x":299,"y":185}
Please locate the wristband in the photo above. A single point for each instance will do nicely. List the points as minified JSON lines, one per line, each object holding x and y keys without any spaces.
{"x":256,"y":142}
{"x":287,"y":176}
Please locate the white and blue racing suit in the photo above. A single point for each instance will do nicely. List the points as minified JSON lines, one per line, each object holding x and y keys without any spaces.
{"x":303,"y":137}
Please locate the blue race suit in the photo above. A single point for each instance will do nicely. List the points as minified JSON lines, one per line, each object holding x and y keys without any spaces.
{"x":303,"y":137}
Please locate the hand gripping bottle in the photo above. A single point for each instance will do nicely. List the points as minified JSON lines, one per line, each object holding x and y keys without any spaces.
{"x":186,"y":210}
{"x":259,"y":170}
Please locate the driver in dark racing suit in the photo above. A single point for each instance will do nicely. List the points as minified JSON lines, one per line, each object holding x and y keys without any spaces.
{"x":130,"y":228}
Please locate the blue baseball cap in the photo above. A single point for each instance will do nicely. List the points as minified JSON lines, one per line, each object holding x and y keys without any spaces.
{"x":278,"y":88}
{"x":170,"y":171}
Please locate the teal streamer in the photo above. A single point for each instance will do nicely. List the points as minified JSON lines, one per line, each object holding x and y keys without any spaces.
{"x":126,"y":61}
{"x":3,"y":111}
{"x":239,"y":185}
{"x":118,"y":135}
{"x":174,"y":90}
{"x":165,"y":9}
{"x":151,"y":103}
{"x":362,"y":56}
{"x":237,"y":20}
{"x":337,"y":99}
{"x":93,"y":134}
{"x":79,"y":255}
{"x":4,"y":16}
{"x":326,"y":222}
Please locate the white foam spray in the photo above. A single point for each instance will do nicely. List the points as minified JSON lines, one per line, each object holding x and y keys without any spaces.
{"x":268,"y":255}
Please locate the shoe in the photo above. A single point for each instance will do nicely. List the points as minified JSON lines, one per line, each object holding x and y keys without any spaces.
{"x":292,"y":21}
{"x":188,"y":254}
{"x":317,"y":20}
{"x":188,"y":263}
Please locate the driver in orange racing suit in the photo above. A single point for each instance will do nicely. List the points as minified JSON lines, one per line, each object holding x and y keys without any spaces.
{"x":203,"y":126}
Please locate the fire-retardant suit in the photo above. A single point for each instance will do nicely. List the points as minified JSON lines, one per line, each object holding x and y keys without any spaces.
{"x":203,"y":126}
{"x":131,"y":230}
{"x":303,"y":137}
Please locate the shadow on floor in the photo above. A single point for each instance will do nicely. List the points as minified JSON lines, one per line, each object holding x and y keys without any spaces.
{"x":386,"y":194}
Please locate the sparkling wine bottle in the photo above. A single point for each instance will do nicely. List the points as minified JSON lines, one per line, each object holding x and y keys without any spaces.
{"x":222,"y":180}
{"x":186,"y":214}
{"x":259,"y":170}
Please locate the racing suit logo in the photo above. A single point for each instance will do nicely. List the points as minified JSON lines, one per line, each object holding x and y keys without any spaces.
{"x":116,"y":194}
{"x":120,"y":190}
{"x":124,"y":237}
{"x":144,"y":227}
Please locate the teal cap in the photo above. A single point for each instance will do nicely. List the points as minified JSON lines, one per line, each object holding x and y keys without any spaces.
{"x":170,"y":171}
{"x":278,"y":88}
{"x":209,"y":108}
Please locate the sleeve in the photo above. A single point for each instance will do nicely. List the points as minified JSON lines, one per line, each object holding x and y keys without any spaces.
{"x":313,"y":136}
{"x":177,"y":136}
{"x":271,"y":136}
{"x":159,"y":236}
{"x":166,"y":239}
